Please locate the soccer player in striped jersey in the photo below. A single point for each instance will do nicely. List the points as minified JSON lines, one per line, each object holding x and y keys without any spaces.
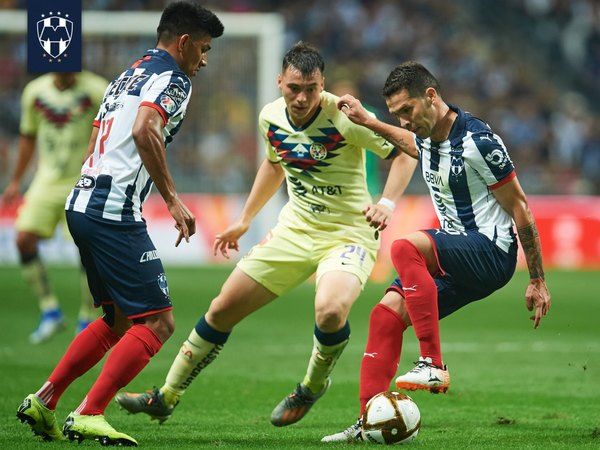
{"x":321,"y":156}
{"x":477,"y":199}
{"x":57,"y":111}
{"x":141,"y":112}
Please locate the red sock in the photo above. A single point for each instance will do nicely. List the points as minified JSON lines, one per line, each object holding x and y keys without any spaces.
{"x":421,"y":297}
{"x":126,"y":360}
{"x":88,"y":347}
{"x":382,"y":353}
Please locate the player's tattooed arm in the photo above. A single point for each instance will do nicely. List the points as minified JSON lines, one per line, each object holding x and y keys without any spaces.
{"x":401,"y":142}
{"x":530,"y":242}
{"x":537,"y":296}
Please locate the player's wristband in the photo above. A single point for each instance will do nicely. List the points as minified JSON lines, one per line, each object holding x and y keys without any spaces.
{"x":387,"y":202}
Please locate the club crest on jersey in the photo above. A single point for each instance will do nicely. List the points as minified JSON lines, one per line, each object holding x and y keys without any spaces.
{"x":318,"y":151}
{"x":457,"y":165}
{"x":54,"y":34}
{"x":162,"y":284}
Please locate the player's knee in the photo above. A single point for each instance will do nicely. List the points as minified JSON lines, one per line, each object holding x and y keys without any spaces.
{"x":330,"y":318}
{"x":161,"y":324}
{"x":27,"y":247}
{"x":166,"y":328}
{"x":402,"y":249}
{"x":224,"y":313}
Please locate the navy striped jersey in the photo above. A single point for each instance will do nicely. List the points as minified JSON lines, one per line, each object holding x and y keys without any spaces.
{"x":461,"y":173}
{"x":114,"y":182}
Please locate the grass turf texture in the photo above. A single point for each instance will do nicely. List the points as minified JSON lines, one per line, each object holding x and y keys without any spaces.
{"x":512,"y":386}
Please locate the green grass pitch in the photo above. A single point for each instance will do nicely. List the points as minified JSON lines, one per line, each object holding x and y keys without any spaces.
{"x":512,"y":386}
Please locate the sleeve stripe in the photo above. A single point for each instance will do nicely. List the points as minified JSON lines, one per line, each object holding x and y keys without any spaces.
{"x":504,"y":180}
{"x":159,"y":109}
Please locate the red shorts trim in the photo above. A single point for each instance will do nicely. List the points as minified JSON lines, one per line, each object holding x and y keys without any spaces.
{"x":149,"y":313}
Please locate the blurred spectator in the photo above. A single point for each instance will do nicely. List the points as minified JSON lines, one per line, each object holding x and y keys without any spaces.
{"x":506,"y":74}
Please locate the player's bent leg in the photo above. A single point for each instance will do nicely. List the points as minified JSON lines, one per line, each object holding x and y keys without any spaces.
{"x":240,"y":296}
{"x":332,"y":333}
{"x":79,"y":427}
{"x":327,"y":349}
{"x":41,"y":419}
{"x":425,"y":376}
{"x":200,"y":349}
{"x":323,"y":358}
{"x":384,"y":345}
{"x":34,"y":272}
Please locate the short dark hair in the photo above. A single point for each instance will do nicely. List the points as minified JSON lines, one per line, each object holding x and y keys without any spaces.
{"x":305,"y":58}
{"x":187,"y":17}
{"x":413,"y":77}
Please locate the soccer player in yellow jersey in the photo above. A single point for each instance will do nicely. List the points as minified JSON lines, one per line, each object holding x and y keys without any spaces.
{"x":57,"y":113}
{"x":329,"y":226}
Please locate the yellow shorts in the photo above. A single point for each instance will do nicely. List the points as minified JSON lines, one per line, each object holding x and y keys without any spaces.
{"x":287,"y":257}
{"x":43,"y":209}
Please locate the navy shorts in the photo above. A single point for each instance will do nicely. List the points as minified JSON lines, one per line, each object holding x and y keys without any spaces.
{"x":472,"y":268}
{"x":121,"y":263}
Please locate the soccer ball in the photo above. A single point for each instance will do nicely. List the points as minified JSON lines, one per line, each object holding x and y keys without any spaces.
{"x":391,"y":418}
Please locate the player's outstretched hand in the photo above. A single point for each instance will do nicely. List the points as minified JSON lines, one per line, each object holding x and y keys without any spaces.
{"x":185,"y":221}
{"x":353,"y":109}
{"x":537,"y":296}
{"x":378,"y":216}
{"x":229,"y":239}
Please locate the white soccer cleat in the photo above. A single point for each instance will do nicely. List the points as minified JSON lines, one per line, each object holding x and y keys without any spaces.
{"x":425,"y":376}
{"x":351,"y":434}
{"x":51,"y":323}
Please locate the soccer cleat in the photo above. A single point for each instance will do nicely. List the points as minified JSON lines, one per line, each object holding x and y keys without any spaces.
{"x":351,"y":434}
{"x":51,"y":322}
{"x":150,"y":402}
{"x":425,"y":376}
{"x":78,"y":427}
{"x":296,"y":405}
{"x":41,"y":420}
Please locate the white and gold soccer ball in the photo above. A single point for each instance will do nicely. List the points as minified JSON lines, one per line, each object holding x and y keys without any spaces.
{"x":391,"y":418}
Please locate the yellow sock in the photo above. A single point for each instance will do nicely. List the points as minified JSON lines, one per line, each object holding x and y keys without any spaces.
{"x":36,"y":277}
{"x":194,"y":355}
{"x":171,"y":397}
{"x":322,"y":362}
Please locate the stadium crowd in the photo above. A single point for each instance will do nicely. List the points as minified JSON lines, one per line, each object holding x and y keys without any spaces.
{"x":528,"y":66}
